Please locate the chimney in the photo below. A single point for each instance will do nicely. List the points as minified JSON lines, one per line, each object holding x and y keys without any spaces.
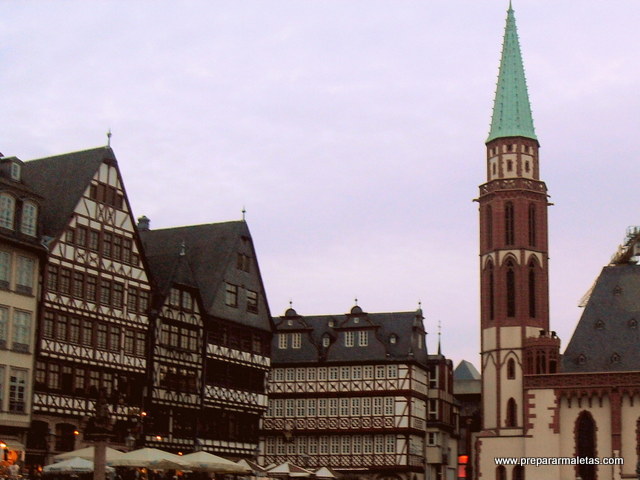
{"x":143,"y":223}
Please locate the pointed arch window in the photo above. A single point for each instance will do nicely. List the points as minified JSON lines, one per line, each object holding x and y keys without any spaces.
{"x":511,"y":290}
{"x":501,"y":473}
{"x":511,"y":369}
{"x":489,"y":224}
{"x":532,"y":290}
{"x":509,"y":224}
{"x":512,"y":412}
{"x":532,"y":225}
{"x":491,"y":291}
{"x":586,"y":444}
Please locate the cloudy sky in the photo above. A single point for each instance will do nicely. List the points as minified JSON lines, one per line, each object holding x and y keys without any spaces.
{"x":351,"y":130}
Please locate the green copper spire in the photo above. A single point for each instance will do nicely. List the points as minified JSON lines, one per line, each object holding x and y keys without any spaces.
{"x":511,"y":109}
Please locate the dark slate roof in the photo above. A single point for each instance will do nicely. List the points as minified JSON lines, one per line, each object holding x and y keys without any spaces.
{"x":466,"y":371}
{"x":607,"y":337}
{"x":62,"y":180}
{"x":380,"y":325}
{"x":208,"y":261}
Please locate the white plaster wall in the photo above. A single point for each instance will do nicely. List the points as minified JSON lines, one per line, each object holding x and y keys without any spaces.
{"x":630,"y":416}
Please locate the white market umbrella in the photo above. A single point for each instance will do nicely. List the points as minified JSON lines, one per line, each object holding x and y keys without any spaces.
{"x":72,"y":465}
{"x":324,"y":472}
{"x":87,"y":453}
{"x":207,"y":462}
{"x":290,"y":470}
{"x":151,"y":458}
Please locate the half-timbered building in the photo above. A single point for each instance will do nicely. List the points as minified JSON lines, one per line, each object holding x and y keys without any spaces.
{"x":93,"y":313}
{"x":21,"y":255}
{"x":349,"y":392}
{"x":211,"y":339}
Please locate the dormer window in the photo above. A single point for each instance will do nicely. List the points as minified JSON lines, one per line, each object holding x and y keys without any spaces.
{"x":393,"y":339}
{"x":29,"y":218}
{"x":7,"y":210}
{"x":326,"y":340}
{"x":15,"y":171}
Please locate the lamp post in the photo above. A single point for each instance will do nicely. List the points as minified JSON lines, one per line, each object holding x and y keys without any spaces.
{"x":100,"y":431}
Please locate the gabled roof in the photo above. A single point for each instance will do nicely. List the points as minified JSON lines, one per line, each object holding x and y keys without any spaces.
{"x":607,"y":337}
{"x":511,"y":109}
{"x":381,"y":327}
{"x":202,"y":256}
{"x":62,"y":180}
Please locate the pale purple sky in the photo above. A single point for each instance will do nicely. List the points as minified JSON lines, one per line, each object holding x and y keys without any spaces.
{"x":353,"y":132}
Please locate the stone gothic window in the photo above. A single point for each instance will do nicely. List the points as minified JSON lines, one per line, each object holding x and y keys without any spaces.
{"x":532,"y":290}
{"x":491,"y":292}
{"x":501,"y":473}
{"x":518,"y":472}
{"x":585,"y":441}
{"x":511,"y":369}
{"x":509,"y":237}
{"x":511,"y":290}
{"x":512,"y":413}
{"x":532,"y":225}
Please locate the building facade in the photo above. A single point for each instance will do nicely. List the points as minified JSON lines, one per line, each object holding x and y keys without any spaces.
{"x":350,"y":392}
{"x":21,"y":257}
{"x":93,"y":314}
{"x":211,"y":339}
{"x":578,"y":417}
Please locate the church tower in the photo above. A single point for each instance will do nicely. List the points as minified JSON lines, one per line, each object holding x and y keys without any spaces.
{"x":515,"y":338}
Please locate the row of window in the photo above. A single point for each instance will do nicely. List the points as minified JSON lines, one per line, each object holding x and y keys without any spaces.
{"x":231,"y":298}
{"x":178,"y":378}
{"x":90,"y":333}
{"x":179,"y":337}
{"x":322,"y":374}
{"x":332,"y":444}
{"x":17,"y":392}
{"x":331,"y":407}
{"x":95,"y":289}
{"x":511,"y":289}
{"x":237,"y":338}
{"x":110,"y":245}
{"x":509,"y":225}
{"x":24,"y":272}
{"x":101,"y":192}
{"x":15,"y":325}
{"x":181,"y":299}
{"x":28,"y":214}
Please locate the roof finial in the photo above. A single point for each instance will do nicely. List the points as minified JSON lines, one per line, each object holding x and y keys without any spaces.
{"x":244,"y":211}
{"x":290,"y":303}
{"x":356,"y":300}
{"x":109,"y":138}
{"x":439,"y":335}
{"x":510,"y":8}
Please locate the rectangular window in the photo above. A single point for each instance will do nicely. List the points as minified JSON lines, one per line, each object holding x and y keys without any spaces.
{"x":363,"y":338}
{"x":126,"y":250}
{"x":94,"y":240}
{"x":390,"y":441}
{"x":61,"y":327}
{"x":64,"y":283}
{"x":278,"y":374}
{"x":380,"y":371}
{"x":21,"y":331}
{"x":289,"y":408}
{"x":366,"y":406}
{"x":296,"y":340}
{"x":290,"y":374}
{"x":17,"y":390}
{"x":117,"y":295}
{"x":333,"y":407}
{"x":368,"y":372}
{"x":5,"y":270}
{"x":53,"y":377}
{"x":312,"y":446}
{"x":117,"y":247}
{"x":311,"y":407}
{"x":252,"y":301}
{"x":389,"y":403}
{"x":278,"y":410}
{"x":300,"y":374}
{"x":78,"y":284}
{"x":300,"y":407}
{"x":345,"y":373}
{"x":433,"y":409}
{"x":101,"y":336}
{"x":129,"y":342}
{"x":81,"y":236}
{"x":132,"y":300}
{"x":324,"y":445}
{"x":52,"y":277}
{"x":140,"y":343}
{"x":344,"y":407}
{"x":74,"y":330}
{"x":355,"y":407}
{"x":87,"y":333}
{"x":356,"y":444}
{"x":29,"y":216}
{"x":348,"y":339}
{"x":24,"y":282}
{"x":379,"y":444}
{"x":282,"y":341}
{"x":322,"y":407}
{"x":377,"y":406}
{"x":4,"y":326}
{"x":78,"y":379}
{"x":105,"y":292}
{"x":335,"y":444}
{"x":345,"y":445}
{"x":333,"y":373}
{"x":311,"y":374}
{"x":432,"y":439}
{"x":92,"y":287}
{"x":392,"y":371}
{"x":322,"y":374}
{"x":357,"y":373}
{"x":231,"y":298}
{"x":114,"y":338}
{"x":107,"y":241}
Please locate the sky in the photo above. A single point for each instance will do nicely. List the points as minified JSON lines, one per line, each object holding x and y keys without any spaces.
{"x":352,"y":131}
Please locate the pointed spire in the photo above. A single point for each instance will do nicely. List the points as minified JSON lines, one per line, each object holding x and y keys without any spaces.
{"x":439,"y":335}
{"x":511,"y":108}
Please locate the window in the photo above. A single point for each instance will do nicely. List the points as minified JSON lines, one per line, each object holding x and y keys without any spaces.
{"x":433,"y":409}
{"x":393,"y":339}
{"x":290,"y":374}
{"x":345,"y":373}
{"x":78,"y":284}
{"x":511,"y":290}
{"x":92,"y":288}
{"x":326,"y":340}
{"x":363,"y":338}
{"x":511,"y":369}
{"x":296,"y":340}
{"x":491,"y":292}
{"x":377,"y":406}
{"x":532,"y":225}
{"x":5,"y":270}
{"x":21,"y":330}
{"x":333,"y":407}
{"x":508,"y":224}
{"x":17,"y":390}
{"x":379,"y":443}
{"x":532,"y":290}
{"x":355,"y":407}
{"x":389,"y":403}
{"x":277,"y":408}
{"x":105,"y":292}
{"x":349,"y":339}
{"x":29,"y":218}
{"x":282,"y":341}
{"x":311,"y":407}
{"x":512,"y":419}
{"x":432,"y":439}
{"x":15,"y":171}
{"x":4,"y":324}
{"x":231,"y":298}
{"x":252,"y":301}
{"x":244,"y":262}
{"x":24,"y":282}
{"x":392,"y":371}
{"x":333,"y":373}
{"x":366,"y":406}
{"x":390,"y":441}
{"x":174,"y":297}
{"x":322,"y":407}
{"x":7,"y":210}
